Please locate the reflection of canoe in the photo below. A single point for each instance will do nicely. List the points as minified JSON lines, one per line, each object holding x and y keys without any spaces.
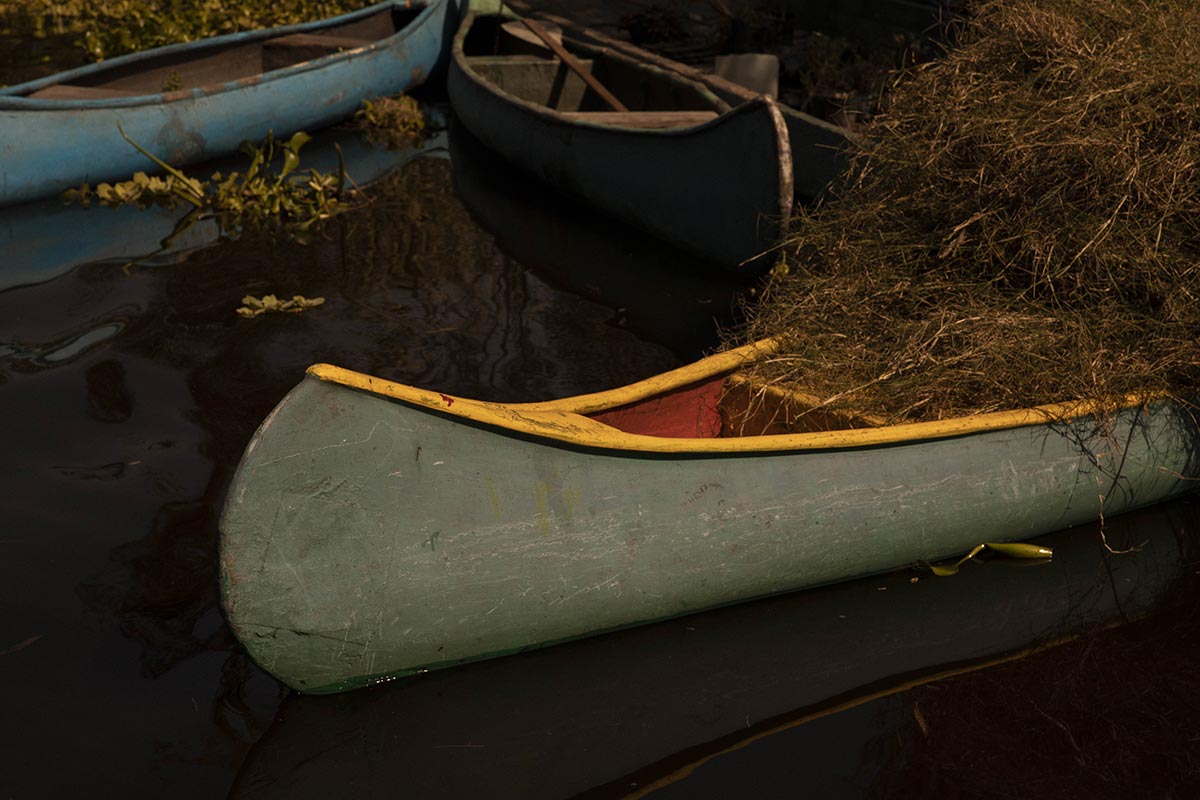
{"x":681,"y":163}
{"x":375,"y":529}
{"x":638,"y":704}
{"x":614,"y":265}
{"x":41,"y":240}
{"x":59,"y":131}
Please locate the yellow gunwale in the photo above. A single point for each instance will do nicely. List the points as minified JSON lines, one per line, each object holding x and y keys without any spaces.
{"x":564,"y":421}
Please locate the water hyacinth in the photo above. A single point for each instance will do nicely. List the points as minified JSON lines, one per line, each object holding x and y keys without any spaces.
{"x":109,"y":28}
{"x":266,"y":196}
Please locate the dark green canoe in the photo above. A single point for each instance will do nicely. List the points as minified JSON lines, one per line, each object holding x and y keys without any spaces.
{"x":375,"y":529}
{"x":712,"y":177}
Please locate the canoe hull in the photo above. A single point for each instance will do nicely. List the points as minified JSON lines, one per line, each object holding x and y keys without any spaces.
{"x":365,"y":537}
{"x":777,"y":663}
{"x":819,"y":149}
{"x":47,"y":146}
{"x":717,"y":190}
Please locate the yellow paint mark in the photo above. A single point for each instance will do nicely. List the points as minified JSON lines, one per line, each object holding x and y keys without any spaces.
{"x":569,"y":497}
{"x":495,"y":496}
{"x":543,"y":515}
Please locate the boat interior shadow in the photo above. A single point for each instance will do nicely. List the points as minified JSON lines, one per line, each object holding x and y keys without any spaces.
{"x":659,"y":293}
{"x":606,"y":716}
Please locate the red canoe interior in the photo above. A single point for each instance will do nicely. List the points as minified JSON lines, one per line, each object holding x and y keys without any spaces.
{"x":728,"y":407}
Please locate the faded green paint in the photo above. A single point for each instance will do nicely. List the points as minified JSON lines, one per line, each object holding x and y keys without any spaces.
{"x":343,"y":565}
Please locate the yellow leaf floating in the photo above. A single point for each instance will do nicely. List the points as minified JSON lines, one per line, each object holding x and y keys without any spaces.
{"x":253,"y":306}
{"x":1017,"y":550}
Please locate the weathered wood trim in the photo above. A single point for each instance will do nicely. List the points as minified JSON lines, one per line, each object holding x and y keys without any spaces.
{"x":643,"y":119}
{"x":67,"y":91}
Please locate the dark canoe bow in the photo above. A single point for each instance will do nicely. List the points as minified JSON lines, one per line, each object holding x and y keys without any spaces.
{"x":375,"y":529}
{"x":819,"y":149}
{"x":195,"y":101}
{"x":682,"y":164}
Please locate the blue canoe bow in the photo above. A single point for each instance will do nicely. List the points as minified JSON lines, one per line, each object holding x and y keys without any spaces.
{"x":59,"y":131}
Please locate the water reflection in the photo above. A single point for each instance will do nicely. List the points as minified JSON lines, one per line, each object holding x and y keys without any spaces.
{"x":638,"y":712}
{"x":664,"y":294}
{"x":42,"y":240}
{"x":128,"y":396}
{"x":129,"y":393}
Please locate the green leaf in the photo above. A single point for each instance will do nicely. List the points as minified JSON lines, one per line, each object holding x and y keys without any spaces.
{"x":290,"y":161}
{"x":193,"y":195}
{"x":298,"y":140}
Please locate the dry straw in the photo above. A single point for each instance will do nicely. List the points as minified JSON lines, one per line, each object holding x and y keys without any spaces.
{"x":1020,"y":226}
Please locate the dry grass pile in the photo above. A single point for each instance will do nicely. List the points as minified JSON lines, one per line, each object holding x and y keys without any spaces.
{"x":1022,"y":224}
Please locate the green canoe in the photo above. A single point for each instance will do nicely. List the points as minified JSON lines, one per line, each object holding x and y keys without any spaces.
{"x":650,"y":704}
{"x":709,"y":176}
{"x":374,"y":529}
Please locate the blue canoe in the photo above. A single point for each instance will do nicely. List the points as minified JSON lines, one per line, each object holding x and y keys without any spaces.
{"x":195,"y":101}
{"x":42,"y":240}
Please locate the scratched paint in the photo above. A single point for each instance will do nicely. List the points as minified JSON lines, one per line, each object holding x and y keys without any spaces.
{"x":764,"y":527}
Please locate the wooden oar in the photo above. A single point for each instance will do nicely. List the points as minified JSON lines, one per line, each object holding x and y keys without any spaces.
{"x":572,"y":62}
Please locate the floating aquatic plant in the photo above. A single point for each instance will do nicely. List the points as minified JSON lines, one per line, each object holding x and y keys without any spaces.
{"x":396,"y":121}
{"x":1020,"y":551}
{"x":110,"y":28}
{"x":254,"y":306}
{"x":266,"y":196}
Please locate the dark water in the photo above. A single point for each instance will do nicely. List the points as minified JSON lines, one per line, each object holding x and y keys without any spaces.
{"x":129,"y":391}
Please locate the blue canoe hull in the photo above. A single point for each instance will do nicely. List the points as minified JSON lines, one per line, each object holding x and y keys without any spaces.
{"x":49,"y":145}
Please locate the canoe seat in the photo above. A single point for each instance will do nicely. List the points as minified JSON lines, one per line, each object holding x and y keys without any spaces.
{"x":297,"y":47}
{"x":67,"y":91}
{"x":644,"y":119}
